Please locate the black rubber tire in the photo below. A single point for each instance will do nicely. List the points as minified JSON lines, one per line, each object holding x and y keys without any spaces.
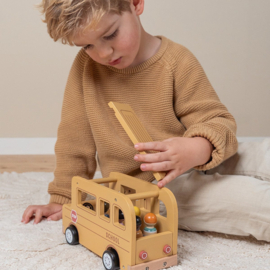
{"x":110,"y":255}
{"x":88,"y":205}
{"x":72,"y":236}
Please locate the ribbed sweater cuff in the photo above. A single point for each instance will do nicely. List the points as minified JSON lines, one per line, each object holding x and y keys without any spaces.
{"x":216,"y":140}
{"x":59,"y":199}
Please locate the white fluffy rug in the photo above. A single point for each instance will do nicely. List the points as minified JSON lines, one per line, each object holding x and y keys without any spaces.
{"x":43,"y":246}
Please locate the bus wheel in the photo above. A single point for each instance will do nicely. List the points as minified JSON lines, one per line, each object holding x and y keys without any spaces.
{"x":110,"y":259}
{"x":72,"y":236}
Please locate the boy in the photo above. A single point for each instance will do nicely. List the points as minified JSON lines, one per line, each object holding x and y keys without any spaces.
{"x":166,"y":87}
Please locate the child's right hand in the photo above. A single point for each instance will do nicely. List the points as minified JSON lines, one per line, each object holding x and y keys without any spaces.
{"x":52,"y":211}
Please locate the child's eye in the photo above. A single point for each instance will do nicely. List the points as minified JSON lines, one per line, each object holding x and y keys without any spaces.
{"x":112,"y":36}
{"x":88,"y":47}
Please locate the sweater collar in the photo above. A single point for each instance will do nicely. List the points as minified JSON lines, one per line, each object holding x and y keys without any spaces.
{"x":147,"y":63}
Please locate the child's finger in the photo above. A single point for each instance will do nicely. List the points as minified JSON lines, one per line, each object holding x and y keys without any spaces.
{"x":56,"y":216}
{"x":156,"y":146}
{"x":157,"y":167}
{"x":152,"y":157}
{"x":28,"y":213}
{"x":25,"y":213}
{"x":38,"y":216}
{"x":167,"y":179}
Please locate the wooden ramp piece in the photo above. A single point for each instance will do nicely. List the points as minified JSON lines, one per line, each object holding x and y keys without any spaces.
{"x":133,"y":127}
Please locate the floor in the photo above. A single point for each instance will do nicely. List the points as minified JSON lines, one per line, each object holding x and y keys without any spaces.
{"x":27,"y":163}
{"x":42,"y":246}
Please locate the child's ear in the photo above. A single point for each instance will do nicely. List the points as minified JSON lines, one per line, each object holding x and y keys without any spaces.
{"x":139,"y":6}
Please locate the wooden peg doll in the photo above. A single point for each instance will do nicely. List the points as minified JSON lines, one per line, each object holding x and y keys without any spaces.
{"x":121,"y":217}
{"x":137,"y":211}
{"x":150,"y":220}
{"x":138,"y":227}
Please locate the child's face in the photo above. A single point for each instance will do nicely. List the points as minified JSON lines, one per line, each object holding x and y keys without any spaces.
{"x":119,"y":42}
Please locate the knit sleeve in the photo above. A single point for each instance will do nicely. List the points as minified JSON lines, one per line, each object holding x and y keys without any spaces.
{"x":75,"y":148}
{"x":200,"y":111}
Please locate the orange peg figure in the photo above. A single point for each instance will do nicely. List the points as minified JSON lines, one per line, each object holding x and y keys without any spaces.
{"x":150,"y":221}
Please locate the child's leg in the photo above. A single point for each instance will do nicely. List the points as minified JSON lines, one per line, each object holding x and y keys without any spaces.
{"x":238,"y":205}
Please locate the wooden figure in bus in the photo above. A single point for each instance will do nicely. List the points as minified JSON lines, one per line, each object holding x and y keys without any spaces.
{"x":138,"y":227}
{"x":121,"y":217}
{"x":137,"y":211}
{"x":88,"y":205}
{"x":106,"y":207}
{"x":150,"y":220}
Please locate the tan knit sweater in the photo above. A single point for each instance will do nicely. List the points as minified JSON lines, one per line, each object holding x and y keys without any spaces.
{"x":170,"y":94}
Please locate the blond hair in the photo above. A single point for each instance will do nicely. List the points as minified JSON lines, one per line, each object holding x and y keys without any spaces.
{"x":65,"y":18}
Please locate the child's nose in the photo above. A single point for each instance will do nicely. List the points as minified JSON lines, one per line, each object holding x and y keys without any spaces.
{"x":105,"y":52}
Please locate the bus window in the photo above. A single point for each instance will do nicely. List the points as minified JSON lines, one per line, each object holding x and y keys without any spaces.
{"x":87,"y":200}
{"x":162,"y":209}
{"x":104,"y":210}
{"x":119,"y":218}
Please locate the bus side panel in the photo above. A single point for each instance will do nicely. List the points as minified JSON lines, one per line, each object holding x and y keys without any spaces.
{"x":153,"y":245}
{"x":97,"y":244}
{"x":97,"y":235}
{"x":66,"y":216}
{"x":89,"y":239}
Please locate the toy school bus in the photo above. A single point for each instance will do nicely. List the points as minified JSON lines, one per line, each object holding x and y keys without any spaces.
{"x":93,"y":220}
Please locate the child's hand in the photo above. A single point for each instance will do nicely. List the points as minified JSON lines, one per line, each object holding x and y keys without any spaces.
{"x":53,"y":211}
{"x":176,"y":156}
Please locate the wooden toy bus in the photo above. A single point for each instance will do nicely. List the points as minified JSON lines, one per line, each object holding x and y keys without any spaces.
{"x":92,"y":219}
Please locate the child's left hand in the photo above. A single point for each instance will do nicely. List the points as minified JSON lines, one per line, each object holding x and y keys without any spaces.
{"x":176,"y":156}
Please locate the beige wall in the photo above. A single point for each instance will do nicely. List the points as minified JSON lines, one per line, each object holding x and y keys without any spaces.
{"x":230,"y":38}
